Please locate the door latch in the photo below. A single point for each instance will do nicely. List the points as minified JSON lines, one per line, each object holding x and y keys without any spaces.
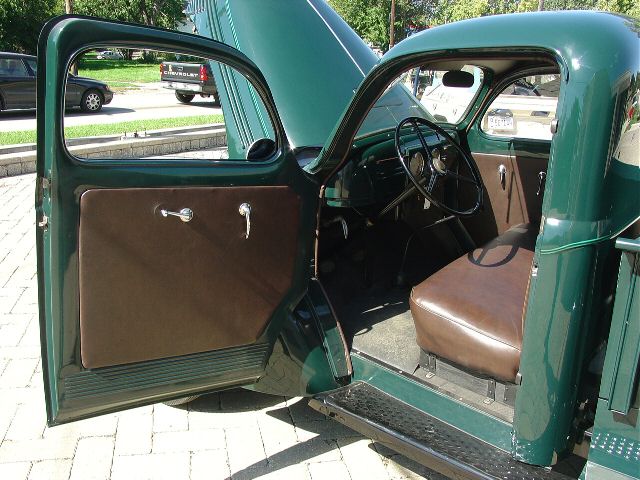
{"x":542,"y":178}
{"x":245,"y":211}
{"x":502,"y":176}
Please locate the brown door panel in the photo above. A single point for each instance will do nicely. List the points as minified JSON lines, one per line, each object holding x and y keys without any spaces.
{"x":153,"y":287}
{"x":526,"y":171}
{"x":510,"y":204}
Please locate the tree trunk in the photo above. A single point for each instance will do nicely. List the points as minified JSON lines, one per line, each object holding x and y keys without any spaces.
{"x":68,"y":7}
{"x":392,"y":21}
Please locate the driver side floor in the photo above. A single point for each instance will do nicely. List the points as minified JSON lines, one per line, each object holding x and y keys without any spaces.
{"x":381,"y":326}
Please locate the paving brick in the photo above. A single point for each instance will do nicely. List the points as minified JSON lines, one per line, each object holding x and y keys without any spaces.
{"x":291,"y":472}
{"x":190,"y":441}
{"x":33,"y":450}
{"x":245,"y":448}
{"x":18,"y":373}
{"x":15,"y":471}
{"x":208,"y":420}
{"x":362,"y":459}
{"x":209,"y":464}
{"x":19,"y":352}
{"x":170,"y":419}
{"x":93,"y":458}
{"x":28,"y":422}
{"x":12,"y":333}
{"x":319,"y":450}
{"x":18,"y":395}
{"x":135,"y":432}
{"x":328,"y":429}
{"x":51,"y":470}
{"x":334,"y":470}
{"x":103,"y":426}
{"x":277,"y":435}
{"x":171,"y":466}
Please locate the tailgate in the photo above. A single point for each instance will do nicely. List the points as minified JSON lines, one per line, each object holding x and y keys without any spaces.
{"x":180,"y":72}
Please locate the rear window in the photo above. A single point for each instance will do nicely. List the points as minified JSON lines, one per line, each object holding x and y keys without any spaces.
{"x":524,"y":109}
{"x":12,"y":67}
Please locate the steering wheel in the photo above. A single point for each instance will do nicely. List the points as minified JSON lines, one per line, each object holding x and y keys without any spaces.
{"x":437,"y":168}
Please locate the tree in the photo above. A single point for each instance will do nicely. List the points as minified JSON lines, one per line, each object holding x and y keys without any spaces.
{"x":370,"y":18}
{"x":21,"y":22}
{"x":159,"y":13}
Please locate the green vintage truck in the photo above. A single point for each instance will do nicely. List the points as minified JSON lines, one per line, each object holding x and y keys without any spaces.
{"x":461,"y":288}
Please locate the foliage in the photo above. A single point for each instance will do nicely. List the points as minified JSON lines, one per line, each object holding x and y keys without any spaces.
{"x":370,"y":18}
{"x":21,"y":22}
{"x":159,"y":13}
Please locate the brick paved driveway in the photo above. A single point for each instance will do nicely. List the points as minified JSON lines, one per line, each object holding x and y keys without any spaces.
{"x":235,"y":434}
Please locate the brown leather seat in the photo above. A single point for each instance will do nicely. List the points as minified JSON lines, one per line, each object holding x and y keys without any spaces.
{"x":471,"y":311}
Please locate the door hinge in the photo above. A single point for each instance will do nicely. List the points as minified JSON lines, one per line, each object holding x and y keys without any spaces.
{"x":42,"y":184}
{"x":44,"y":222}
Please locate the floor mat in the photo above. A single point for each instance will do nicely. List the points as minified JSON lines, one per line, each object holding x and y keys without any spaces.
{"x":381,"y":326}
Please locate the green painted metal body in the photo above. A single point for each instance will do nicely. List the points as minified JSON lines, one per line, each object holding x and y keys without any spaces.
{"x":320,"y":73}
{"x":615,"y":444}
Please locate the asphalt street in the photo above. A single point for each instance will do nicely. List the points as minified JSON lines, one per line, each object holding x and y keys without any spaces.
{"x":152,"y":101}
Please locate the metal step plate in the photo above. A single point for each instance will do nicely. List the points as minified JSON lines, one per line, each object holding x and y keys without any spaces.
{"x":422,"y":437}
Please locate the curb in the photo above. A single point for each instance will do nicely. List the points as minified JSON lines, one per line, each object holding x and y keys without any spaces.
{"x":156,"y":143}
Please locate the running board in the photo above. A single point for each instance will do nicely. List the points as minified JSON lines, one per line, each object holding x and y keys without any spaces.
{"x":422,"y":437}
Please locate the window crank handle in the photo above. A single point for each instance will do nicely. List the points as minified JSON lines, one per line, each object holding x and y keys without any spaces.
{"x":186,"y":214}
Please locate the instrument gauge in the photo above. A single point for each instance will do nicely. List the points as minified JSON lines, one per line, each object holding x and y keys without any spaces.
{"x":416,"y":164}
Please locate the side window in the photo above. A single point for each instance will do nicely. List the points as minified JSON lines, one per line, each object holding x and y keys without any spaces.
{"x":524,"y":109}
{"x":134,"y":103}
{"x":12,"y":67}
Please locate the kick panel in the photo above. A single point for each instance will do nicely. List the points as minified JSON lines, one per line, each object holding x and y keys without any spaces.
{"x":156,"y":285}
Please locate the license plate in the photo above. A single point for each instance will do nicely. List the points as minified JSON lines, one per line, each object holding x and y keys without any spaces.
{"x":499,"y":122}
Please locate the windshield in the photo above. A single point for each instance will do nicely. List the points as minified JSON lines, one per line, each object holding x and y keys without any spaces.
{"x":445,"y":103}
{"x":419,"y":92}
{"x":394,"y":105}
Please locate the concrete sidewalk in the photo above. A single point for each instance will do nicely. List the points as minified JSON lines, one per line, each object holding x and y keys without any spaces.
{"x":236,"y":434}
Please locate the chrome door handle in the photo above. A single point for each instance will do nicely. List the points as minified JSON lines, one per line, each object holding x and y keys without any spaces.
{"x":502,"y":175}
{"x":245,"y":211}
{"x":186,"y":214}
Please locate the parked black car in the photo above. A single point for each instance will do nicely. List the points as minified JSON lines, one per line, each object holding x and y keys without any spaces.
{"x":18,"y":86}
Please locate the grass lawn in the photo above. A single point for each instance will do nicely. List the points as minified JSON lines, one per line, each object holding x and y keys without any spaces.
{"x":29,"y":136}
{"x":120,"y":73}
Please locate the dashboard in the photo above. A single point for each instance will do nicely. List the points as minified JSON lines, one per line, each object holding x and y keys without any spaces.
{"x":373,"y":175}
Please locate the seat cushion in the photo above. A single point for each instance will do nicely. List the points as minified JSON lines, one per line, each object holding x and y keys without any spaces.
{"x":470,"y":312}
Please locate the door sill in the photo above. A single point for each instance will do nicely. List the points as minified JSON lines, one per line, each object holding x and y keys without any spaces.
{"x":423,"y":438}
